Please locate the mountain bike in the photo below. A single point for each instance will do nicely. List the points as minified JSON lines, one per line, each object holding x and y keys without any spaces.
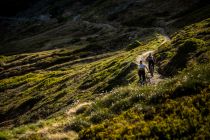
{"x":146,"y":81}
{"x":151,"y":70}
{"x":142,"y":80}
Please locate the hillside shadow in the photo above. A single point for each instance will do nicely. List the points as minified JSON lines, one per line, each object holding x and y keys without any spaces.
{"x":180,"y":60}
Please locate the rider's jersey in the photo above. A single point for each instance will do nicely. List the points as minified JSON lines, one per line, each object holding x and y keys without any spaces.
{"x":141,"y":67}
{"x":150,"y":59}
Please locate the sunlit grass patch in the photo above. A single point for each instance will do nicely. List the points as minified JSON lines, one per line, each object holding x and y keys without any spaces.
{"x":155,"y":113}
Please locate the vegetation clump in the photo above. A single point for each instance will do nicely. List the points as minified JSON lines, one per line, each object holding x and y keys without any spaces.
{"x":187,"y":48}
{"x":133,"y":45}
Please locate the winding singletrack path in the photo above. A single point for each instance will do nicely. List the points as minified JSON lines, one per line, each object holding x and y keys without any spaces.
{"x":157,"y":77}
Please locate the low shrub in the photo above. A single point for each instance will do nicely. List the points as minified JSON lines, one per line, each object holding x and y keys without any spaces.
{"x":121,"y":105}
{"x":100,"y":116}
{"x":4,"y":136}
{"x":77,"y":125}
{"x":35,"y":136}
{"x":82,"y":109}
{"x":133,"y":45}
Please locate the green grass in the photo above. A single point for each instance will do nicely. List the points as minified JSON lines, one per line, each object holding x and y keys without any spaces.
{"x":44,"y":85}
{"x":176,"y":108}
{"x":39,"y":85}
{"x":188,"y":47}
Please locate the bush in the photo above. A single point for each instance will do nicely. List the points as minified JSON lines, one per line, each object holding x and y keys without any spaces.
{"x":191,"y":45}
{"x":36,"y":136}
{"x":120,"y":106}
{"x":3,"y":136}
{"x":133,"y":45}
{"x":100,"y":116}
{"x":82,"y":109}
{"x":77,"y":125}
{"x":137,"y":98}
{"x":184,"y":55}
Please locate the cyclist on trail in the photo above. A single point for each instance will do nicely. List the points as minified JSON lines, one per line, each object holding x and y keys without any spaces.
{"x":151,"y":63}
{"x":141,"y":72}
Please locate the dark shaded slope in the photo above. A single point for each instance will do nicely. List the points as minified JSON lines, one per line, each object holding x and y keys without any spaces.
{"x":12,"y":7}
{"x":109,"y":24}
{"x":190,"y":46}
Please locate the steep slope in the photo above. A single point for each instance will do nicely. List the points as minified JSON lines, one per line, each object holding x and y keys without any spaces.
{"x":38,"y":29}
{"x":188,"y":47}
{"x":46,"y":93}
{"x":177,"y":108}
{"x":65,"y":72}
{"x":78,"y":55}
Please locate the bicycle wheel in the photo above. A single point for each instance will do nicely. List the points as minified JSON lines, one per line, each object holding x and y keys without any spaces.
{"x":141,"y":81}
{"x":151,"y":69}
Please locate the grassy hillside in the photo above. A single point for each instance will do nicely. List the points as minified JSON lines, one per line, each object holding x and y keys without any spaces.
{"x":32,"y":91}
{"x":177,"y":108}
{"x":189,"y":47}
{"x":73,"y":75}
{"x":49,"y":81}
{"x":116,"y":107}
{"x":174,"y":109}
{"x":105,"y":23}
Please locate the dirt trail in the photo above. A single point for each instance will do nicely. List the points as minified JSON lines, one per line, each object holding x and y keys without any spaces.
{"x":73,"y":110}
{"x":157,"y":77}
{"x":54,"y":131}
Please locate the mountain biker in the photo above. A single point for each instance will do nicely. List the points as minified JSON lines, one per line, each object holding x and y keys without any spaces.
{"x":141,"y":71}
{"x":151,"y":62}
